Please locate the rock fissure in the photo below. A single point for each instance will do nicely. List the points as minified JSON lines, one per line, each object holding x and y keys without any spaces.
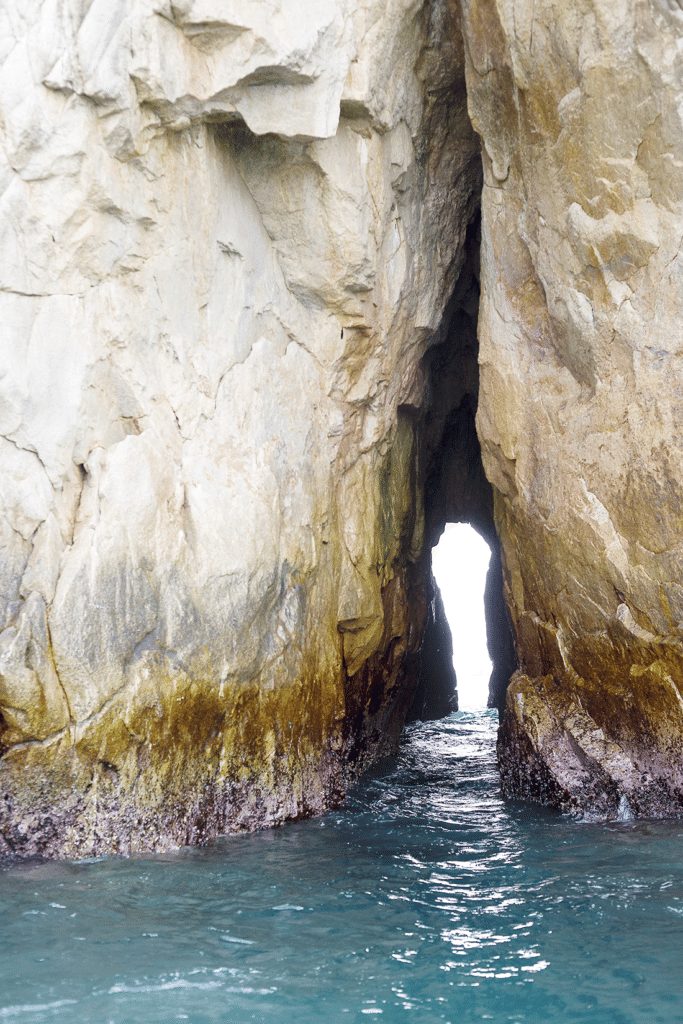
{"x":59,"y":681}
{"x":47,"y":741}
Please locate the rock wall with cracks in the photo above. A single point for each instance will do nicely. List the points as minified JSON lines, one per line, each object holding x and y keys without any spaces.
{"x":580,"y":412}
{"x":228,"y":236}
{"x":238,"y":380}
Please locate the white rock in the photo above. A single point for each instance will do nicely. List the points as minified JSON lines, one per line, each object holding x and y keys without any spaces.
{"x":214,"y":218}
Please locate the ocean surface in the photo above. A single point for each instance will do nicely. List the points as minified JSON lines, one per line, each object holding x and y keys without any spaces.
{"x":426,"y":899}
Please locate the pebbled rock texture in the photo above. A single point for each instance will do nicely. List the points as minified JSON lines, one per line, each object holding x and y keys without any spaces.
{"x":229,"y":232}
{"x":581,"y":403}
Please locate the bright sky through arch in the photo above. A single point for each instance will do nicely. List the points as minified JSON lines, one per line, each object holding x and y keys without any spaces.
{"x":460,"y":561}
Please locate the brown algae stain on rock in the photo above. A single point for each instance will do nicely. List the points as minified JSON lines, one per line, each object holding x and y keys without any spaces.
{"x":173,"y":770}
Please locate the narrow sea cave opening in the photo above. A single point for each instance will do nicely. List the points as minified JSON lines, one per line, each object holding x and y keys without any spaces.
{"x":460,"y":563}
{"x":467,"y":574}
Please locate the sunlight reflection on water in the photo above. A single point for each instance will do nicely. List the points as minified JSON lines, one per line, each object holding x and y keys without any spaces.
{"x":425,"y":899}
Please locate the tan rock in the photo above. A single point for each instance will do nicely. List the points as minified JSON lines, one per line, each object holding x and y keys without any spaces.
{"x":578,"y":107}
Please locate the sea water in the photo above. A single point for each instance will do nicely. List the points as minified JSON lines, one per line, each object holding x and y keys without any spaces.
{"x":427,"y":898}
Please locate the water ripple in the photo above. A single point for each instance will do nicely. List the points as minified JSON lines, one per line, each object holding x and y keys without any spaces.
{"x":426,"y":899}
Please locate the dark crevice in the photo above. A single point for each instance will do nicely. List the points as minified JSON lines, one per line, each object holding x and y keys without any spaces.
{"x":457,"y":490}
{"x":4,"y":747}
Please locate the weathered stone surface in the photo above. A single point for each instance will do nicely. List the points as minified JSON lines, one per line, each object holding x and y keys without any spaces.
{"x":228,"y":234}
{"x":239,"y":281}
{"x":580,"y":412}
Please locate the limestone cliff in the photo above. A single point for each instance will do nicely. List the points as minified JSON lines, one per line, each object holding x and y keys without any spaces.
{"x":229,"y":233}
{"x":580,"y":414}
{"x":239,"y":372}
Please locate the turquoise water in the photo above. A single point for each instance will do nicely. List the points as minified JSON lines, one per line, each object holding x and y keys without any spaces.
{"x":425,"y":899}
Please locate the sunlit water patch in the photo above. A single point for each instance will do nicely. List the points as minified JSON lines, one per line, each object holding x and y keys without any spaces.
{"x":425,"y":899}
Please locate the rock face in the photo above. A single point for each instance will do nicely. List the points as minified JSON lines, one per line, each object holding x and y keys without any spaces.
{"x":228,"y":236}
{"x":581,"y":412}
{"x":239,"y":283}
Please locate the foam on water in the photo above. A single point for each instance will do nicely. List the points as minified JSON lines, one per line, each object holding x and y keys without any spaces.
{"x":425,"y":899}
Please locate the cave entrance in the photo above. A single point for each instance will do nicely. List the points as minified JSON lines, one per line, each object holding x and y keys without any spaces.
{"x":460,"y":563}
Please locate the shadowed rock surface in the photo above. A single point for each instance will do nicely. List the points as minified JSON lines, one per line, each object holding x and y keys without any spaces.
{"x":437,"y":687}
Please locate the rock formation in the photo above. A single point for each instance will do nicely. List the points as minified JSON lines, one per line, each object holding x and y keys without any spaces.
{"x":239,"y":281}
{"x":229,"y":235}
{"x":580,"y":413}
